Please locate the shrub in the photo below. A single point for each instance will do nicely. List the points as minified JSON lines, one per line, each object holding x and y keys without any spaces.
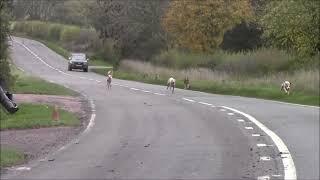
{"x":69,"y":33}
{"x":55,"y":31}
{"x":110,"y":53}
{"x":259,"y":62}
{"x":256,"y":62}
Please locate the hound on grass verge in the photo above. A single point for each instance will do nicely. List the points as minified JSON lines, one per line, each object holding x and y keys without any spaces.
{"x":285,"y":86}
{"x":109,"y":79}
{"x":186,"y":83}
{"x":171,"y":83}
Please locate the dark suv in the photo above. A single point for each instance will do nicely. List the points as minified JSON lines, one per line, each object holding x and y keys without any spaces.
{"x":78,"y":61}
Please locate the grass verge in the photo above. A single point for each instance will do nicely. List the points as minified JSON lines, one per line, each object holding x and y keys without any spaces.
{"x":10,"y":157}
{"x":34,"y":85}
{"x":26,"y":84}
{"x":35,"y":116}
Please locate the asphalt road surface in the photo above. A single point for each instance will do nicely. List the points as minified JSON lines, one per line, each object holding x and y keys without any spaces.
{"x":142,"y":131}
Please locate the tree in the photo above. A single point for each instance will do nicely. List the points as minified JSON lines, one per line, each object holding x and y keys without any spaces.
{"x":200,"y":24}
{"x":6,"y":80}
{"x":293,"y":25}
{"x":132,"y":24}
{"x":35,"y":9}
{"x":243,"y":37}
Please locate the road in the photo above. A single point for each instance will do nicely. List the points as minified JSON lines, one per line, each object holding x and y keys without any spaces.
{"x":142,"y":131}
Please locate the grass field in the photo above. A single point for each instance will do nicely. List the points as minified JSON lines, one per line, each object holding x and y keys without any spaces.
{"x":10,"y":157}
{"x":36,"y":116}
{"x":27,"y":84}
{"x":34,"y":85}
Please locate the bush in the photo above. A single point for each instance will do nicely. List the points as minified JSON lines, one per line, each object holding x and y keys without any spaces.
{"x":109,"y":53}
{"x":179,"y":59}
{"x":259,"y":62}
{"x":69,"y":33}
{"x":55,"y":31}
{"x":256,"y":62}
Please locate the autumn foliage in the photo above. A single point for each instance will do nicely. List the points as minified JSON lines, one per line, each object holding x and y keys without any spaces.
{"x":200,"y":25}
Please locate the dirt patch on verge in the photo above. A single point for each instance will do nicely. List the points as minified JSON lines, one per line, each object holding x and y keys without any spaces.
{"x":36,"y":143}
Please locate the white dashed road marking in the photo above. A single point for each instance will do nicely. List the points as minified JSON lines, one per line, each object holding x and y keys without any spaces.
{"x":255,"y":135}
{"x":159,"y":94}
{"x":135,"y":89}
{"x":240,"y":120}
{"x":289,"y":167}
{"x":230,"y":114}
{"x":263,"y":177}
{"x":204,"y":103}
{"x":248,"y":128}
{"x":261,"y":145}
{"x":265,"y":158}
{"x":23,"y":168}
{"x":186,"y":99}
{"x":222,"y":110}
{"x":276,"y":175}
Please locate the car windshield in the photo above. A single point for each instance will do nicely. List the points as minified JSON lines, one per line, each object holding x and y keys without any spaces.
{"x":79,"y":57}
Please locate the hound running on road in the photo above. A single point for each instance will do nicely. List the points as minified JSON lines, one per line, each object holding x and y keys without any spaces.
{"x":171,"y":83}
{"x":109,"y":79}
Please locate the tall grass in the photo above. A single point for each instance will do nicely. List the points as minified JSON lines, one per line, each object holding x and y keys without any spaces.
{"x":260,"y":61}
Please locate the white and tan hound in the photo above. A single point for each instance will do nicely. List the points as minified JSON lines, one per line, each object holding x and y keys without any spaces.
{"x":171,"y":83}
{"x":285,"y":86}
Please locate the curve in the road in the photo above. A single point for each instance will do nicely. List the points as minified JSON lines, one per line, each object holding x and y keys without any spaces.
{"x":287,"y":161}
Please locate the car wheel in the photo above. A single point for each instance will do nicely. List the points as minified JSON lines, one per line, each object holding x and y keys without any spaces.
{"x":85,"y":70}
{"x":69,"y":68}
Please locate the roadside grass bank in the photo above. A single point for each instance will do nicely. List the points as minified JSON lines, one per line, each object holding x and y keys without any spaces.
{"x":10,"y":157}
{"x":36,"y":116}
{"x":27,"y":84}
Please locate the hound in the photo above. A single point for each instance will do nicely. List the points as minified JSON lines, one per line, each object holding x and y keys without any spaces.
{"x":109,"y":79}
{"x":171,"y":83}
{"x":186,"y":83}
{"x":285,"y":86}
